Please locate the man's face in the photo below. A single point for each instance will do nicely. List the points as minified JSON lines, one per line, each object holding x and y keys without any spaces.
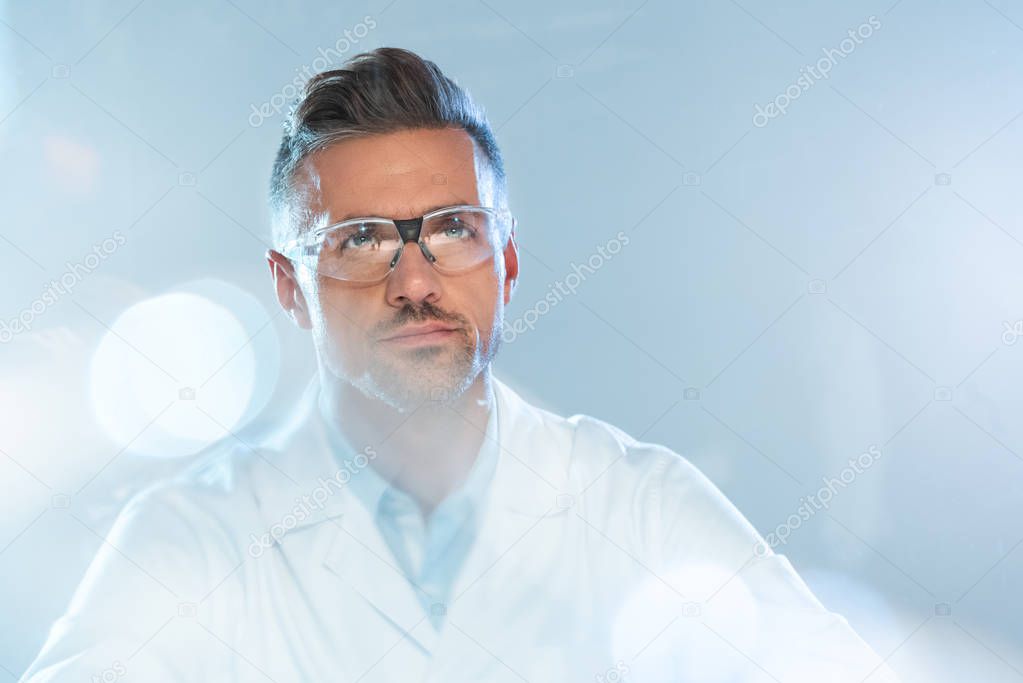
{"x":361,"y":331}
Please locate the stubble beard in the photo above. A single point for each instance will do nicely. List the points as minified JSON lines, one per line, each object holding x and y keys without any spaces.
{"x":436,"y":376}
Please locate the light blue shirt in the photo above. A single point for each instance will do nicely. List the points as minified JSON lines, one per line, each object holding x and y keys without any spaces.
{"x":430,"y":552}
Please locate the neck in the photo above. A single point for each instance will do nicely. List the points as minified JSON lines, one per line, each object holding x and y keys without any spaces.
{"x":426,"y":451}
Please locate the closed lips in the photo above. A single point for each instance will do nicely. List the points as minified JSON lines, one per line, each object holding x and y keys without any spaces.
{"x":420,"y":329}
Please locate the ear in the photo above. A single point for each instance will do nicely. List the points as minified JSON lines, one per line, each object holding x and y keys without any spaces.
{"x":511,"y":266}
{"x":289,"y":293}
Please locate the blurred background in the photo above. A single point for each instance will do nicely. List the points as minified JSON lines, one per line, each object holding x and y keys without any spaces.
{"x":783,"y":235}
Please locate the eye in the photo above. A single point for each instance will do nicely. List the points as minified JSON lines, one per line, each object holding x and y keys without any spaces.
{"x":456,"y":228}
{"x":362,"y":237}
{"x":357,"y":241}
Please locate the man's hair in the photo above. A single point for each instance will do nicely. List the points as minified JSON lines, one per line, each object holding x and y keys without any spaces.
{"x":381,"y":91}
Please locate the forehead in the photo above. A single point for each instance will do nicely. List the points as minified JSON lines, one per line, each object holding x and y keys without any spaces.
{"x":399,"y":174}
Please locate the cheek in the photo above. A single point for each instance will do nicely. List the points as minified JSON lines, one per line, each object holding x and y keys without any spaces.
{"x":499,"y":274}
{"x":487,"y":301}
{"x":341,"y":323}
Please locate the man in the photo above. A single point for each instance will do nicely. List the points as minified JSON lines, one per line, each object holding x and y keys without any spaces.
{"x":416,"y":518}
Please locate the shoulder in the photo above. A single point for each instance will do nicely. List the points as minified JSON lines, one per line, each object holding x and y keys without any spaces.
{"x":186,"y":512}
{"x":651,"y":469}
{"x":663,"y":497}
{"x":238,"y":471}
{"x":604,"y":465}
{"x":213,"y":501}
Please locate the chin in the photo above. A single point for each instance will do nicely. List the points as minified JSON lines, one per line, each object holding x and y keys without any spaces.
{"x":408,"y":386}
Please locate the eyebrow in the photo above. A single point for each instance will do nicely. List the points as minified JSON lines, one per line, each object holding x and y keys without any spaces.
{"x":350,"y":216}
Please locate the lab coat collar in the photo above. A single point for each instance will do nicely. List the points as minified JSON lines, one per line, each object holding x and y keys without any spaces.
{"x":376,"y":493}
{"x":534,"y":453}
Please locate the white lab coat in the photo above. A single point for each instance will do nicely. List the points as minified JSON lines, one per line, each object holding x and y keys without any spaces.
{"x":599,"y":558}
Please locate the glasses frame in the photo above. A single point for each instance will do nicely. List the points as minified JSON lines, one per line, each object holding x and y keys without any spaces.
{"x":409,"y":230}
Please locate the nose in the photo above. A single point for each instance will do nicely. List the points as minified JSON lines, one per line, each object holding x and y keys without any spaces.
{"x":413,"y":279}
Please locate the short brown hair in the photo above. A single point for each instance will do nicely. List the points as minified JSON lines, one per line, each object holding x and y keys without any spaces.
{"x":381,"y":91}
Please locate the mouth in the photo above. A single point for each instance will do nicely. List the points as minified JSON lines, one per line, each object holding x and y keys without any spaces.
{"x":415,"y":335}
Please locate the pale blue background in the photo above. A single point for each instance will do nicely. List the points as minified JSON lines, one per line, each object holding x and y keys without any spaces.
{"x":103,"y":108}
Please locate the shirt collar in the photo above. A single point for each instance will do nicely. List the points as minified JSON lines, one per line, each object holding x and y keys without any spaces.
{"x":374,"y":491}
{"x":533,"y":455}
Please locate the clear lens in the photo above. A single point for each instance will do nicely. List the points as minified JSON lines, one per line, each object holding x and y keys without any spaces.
{"x":360,"y":252}
{"x":457,"y":239}
{"x":460,"y":239}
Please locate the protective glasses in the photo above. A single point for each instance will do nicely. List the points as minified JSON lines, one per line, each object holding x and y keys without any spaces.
{"x":453,"y":239}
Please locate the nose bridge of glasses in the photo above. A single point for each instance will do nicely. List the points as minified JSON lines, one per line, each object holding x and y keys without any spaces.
{"x":409,"y":228}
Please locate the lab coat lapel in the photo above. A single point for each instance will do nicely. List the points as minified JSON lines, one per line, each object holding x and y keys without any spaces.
{"x":528,"y":488}
{"x":357,"y":554}
{"x":360,"y":558}
{"x":525,"y":499}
